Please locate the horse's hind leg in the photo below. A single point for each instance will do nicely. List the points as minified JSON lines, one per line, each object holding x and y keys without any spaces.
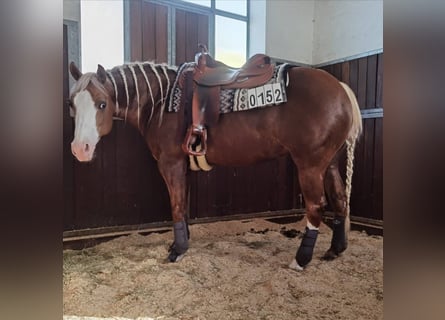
{"x":335,"y":191}
{"x":311,"y":184}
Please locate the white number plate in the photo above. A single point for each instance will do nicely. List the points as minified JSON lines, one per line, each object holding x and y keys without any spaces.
{"x":266,"y":95}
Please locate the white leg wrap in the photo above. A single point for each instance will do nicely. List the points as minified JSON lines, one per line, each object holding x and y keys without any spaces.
{"x":295,"y":266}
{"x":310,"y":226}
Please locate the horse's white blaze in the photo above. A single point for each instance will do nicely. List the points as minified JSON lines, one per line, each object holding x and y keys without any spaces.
{"x":85,"y":131}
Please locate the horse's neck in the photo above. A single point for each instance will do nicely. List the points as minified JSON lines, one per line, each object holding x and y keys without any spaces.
{"x":141,"y":92}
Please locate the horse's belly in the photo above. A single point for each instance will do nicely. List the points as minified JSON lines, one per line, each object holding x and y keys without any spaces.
{"x":243,"y":146}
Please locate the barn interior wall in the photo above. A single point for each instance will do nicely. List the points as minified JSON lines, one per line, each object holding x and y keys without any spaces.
{"x":346,"y":28}
{"x":289,"y":30}
{"x":71,"y":10}
{"x":316,"y":32}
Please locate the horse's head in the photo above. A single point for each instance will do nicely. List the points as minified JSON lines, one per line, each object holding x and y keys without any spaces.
{"x":93,"y":108}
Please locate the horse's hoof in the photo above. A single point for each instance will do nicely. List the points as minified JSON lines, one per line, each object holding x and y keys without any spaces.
{"x":295,"y":266}
{"x":329,"y":255}
{"x":174,"y":256}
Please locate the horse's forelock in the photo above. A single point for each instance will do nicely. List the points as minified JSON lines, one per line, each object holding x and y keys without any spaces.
{"x":85,"y":80}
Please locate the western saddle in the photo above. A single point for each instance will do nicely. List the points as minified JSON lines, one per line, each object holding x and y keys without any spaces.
{"x":209,"y":77}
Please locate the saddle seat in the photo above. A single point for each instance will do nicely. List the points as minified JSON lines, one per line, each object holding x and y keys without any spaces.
{"x":255,"y":72}
{"x":209,"y":77}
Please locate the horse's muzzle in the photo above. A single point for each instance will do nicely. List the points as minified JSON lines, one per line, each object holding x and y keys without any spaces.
{"x":83,"y":151}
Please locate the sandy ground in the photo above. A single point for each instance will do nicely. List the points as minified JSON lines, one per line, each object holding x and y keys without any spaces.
{"x":233,"y":270}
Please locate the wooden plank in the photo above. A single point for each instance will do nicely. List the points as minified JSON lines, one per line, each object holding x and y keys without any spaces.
{"x":222,"y":191}
{"x":161,"y":34}
{"x":152,"y":191}
{"x":68,"y":133}
{"x":362,"y":76}
{"x":88,"y":195}
{"x":379,"y":94}
{"x":108,"y":160}
{"x":371,"y":82}
{"x":135,"y":30}
{"x":148,"y":31}
{"x":203,"y":194}
{"x":353,"y":77}
{"x":191,"y":25}
{"x":345,"y":72}
{"x":378,"y":170}
{"x":283,"y":190}
{"x":203,"y":29}
{"x":369,"y":133}
{"x":357,"y":207}
{"x":213,"y":188}
{"x":180,"y":37}
{"x":127,"y":174}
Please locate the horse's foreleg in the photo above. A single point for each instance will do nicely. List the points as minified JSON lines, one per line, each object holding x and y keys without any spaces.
{"x":335,"y":191}
{"x":174,"y":174}
{"x":311,"y":183}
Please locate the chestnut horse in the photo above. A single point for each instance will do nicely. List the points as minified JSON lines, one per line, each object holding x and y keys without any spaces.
{"x":320,"y":119}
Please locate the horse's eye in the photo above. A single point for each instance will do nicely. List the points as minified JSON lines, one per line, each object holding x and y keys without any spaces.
{"x":69,"y":103}
{"x":102,"y":105}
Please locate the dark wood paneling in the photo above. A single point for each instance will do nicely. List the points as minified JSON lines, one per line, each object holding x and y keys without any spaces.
{"x":69,"y":208}
{"x":379,"y":96}
{"x":180,"y":38}
{"x":364,"y":76}
{"x":135,"y":22}
{"x":148,"y":31}
{"x":191,"y":29}
{"x":267,"y":186}
{"x":371,"y":82}
{"x":361,"y":85}
{"x":378,"y":171}
{"x":345,"y":72}
{"x":161,"y":26}
{"x":353,"y":76}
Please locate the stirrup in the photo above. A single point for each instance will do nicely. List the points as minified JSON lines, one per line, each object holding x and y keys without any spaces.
{"x":192,"y":134}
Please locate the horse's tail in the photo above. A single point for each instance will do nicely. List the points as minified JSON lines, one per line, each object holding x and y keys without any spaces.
{"x":354,"y":133}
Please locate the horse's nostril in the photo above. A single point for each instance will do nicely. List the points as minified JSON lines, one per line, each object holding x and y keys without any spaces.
{"x":87,"y":147}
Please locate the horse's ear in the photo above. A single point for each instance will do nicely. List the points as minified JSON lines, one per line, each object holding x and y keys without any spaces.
{"x":75,"y":72}
{"x":101,"y":74}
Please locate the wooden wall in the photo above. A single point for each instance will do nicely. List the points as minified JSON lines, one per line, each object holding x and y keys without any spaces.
{"x":122,"y":186}
{"x":365,"y":77}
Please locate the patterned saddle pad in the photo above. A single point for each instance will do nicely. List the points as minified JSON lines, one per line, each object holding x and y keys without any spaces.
{"x":272,"y":93}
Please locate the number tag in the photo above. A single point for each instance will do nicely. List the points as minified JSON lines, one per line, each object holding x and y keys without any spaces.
{"x":251,"y":98}
{"x":277,"y":93}
{"x":268,"y":94}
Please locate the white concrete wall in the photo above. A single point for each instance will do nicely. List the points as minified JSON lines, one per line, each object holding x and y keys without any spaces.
{"x":71,"y":10}
{"x":289,"y":29}
{"x":257,"y":43}
{"x":316,"y":31}
{"x":346,"y":28}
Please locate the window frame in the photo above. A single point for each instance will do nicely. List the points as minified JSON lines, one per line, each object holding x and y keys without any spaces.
{"x":172,"y":6}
